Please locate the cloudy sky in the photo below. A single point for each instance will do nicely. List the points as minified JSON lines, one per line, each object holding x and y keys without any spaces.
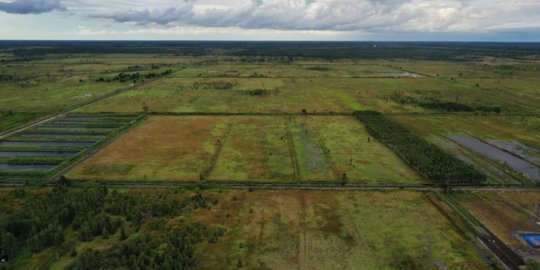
{"x":406,"y":20}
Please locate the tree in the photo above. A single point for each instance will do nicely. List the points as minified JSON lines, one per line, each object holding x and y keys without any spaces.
{"x":85,"y":233}
{"x":123,"y":235}
{"x":8,"y":244}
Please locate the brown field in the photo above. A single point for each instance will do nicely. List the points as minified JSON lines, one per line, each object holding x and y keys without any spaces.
{"x":164,"y":148}
{"x":505,"y":214}
{"x":333,"y":230}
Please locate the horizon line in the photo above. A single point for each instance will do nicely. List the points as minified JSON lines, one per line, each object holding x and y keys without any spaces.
{"x":265,"y":40}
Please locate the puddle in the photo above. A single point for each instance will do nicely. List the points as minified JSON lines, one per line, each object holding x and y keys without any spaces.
{"x":496,"y":154}
{"x":37,"y":153}
{"x":528,"y":153}
{"x":47,"y":144}
{"x":27,"y":167}
{"x":60,"y":135}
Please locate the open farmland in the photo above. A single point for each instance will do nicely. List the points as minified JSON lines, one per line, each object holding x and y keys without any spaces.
{"x":40,"y":151}
{"x":219,"y":155}
{"x":340,"y":148}
{"x":322,"y":230}
{"x":164,"y":148}
{"x":504,"y":147}
{"x":224,"y":85}
{"x":247,"y":148}
{"x":507,"y":215}
{"x":70,"y":81}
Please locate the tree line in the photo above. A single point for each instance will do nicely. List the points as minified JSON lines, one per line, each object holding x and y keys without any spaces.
{"x":429,"y":160}
{"x":441,"y":105}
{"x":134,"y":77}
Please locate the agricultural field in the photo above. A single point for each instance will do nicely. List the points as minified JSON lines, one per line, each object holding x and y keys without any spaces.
{"x":39,"y":151}
{"x":247,"y":148}
{"x":292,"y":95}
{"x":506,"y":214}
{"x":321,"y":230}
{"x":504,"y":147}
{"x":69,"y":81}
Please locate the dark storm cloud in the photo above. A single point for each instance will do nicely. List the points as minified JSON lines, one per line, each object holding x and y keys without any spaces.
{"x":31,"y":6}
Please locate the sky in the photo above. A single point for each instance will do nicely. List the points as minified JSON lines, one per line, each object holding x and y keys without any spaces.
{"x":343,"y":20}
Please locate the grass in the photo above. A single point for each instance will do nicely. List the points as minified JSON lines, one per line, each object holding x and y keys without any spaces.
{"x":329,"y":147}
{"x":255,"y":149}
{"x":325,"y":86}
{"x":10,"y":121}
{"x":322,"y":230}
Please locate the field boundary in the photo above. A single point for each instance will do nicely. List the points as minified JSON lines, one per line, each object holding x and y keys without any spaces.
{"x":292,"y":153}
{"x":207,"y":170}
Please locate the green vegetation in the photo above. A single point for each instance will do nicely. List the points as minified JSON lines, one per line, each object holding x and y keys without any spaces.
{"x":437,"y":165}
{"x":135,"y":77}
{"x":439,"y":105}
{"x":9,"y":119}
{"x":60,"y":222}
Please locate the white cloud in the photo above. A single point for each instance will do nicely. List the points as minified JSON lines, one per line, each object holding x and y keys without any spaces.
{"x":332,"y":15}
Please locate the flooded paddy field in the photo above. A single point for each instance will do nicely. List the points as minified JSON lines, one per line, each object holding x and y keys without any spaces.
{"x":61,"y":135}
{"x":53,"y":145}
{"x":494,"y":173}
{"x":525,"y":152}
{"x":515,"y":162}
{"x":36,"y":153}
{"x":74,"y":128}
{"x":505,"y":148}
{"x":23,"y":167}
{"x":50,"y":144}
